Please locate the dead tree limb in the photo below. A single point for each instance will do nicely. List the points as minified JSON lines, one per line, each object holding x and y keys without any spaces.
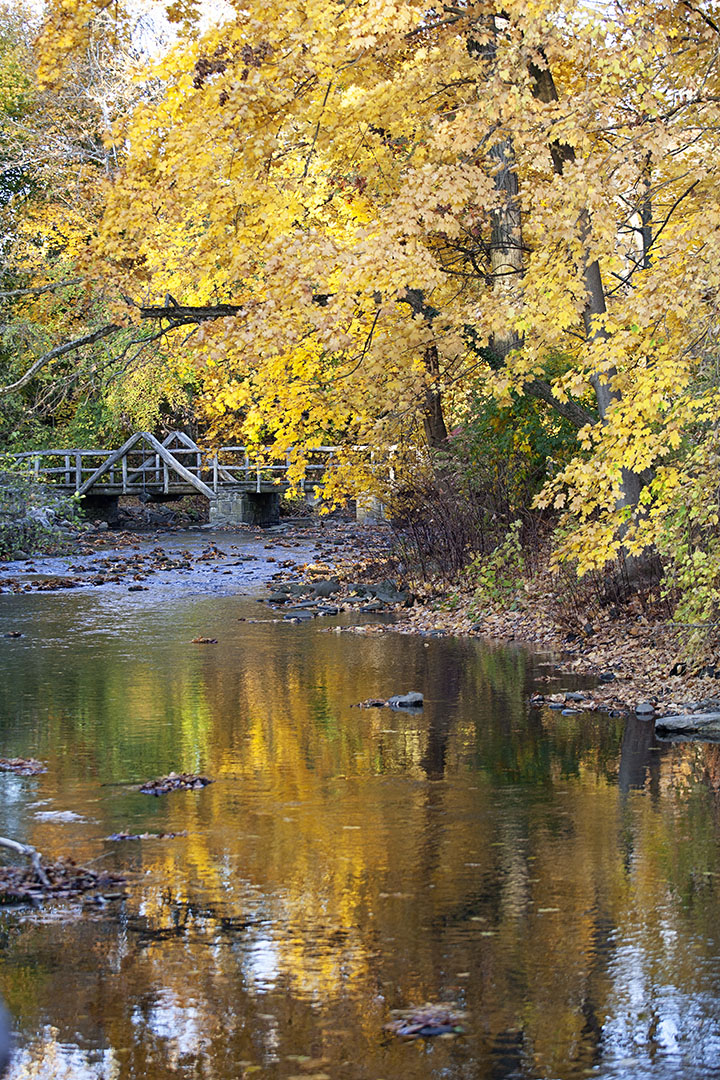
{"x":59,"y":350}
{"x":30,"y":853}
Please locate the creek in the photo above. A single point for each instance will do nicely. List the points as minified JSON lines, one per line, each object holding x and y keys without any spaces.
{"x":554,"y":878}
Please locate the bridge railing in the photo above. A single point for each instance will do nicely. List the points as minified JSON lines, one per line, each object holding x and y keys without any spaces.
{"x":66,"y":467}
{"x":141,"y":469}
{"x":234,"y":465}
{"x":135,"y":472}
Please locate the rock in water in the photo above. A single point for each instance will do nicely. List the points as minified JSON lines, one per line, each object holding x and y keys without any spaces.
{"x":412,"y":700}
{"x":698,"y":725}
{"x":175,"y":782}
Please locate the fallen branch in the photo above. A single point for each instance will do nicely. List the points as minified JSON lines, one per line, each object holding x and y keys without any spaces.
{"x":30,"y":853}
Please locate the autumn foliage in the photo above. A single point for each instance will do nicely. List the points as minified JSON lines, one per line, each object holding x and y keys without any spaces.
{"x":411,"y":208}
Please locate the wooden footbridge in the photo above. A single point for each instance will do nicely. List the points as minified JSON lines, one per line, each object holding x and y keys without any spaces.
{"x":239,"y":486}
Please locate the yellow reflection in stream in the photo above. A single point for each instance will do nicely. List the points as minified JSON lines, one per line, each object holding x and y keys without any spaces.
{"x":548,"y":875}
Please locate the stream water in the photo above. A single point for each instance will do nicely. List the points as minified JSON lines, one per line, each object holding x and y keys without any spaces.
{"x":555,"y":878}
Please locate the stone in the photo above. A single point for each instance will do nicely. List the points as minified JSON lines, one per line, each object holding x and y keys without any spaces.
{"x":412,"y":700}
{"x":700,"y":725}
{"x":358,"y":589}
{"x":235,"y":506}
{"x":370,"y":509}
{"x":575,"y":695}
{"x":296,"y":589}
{"x":644,"y":708}
{"x":325,"y":588}
{"x":607,"y":676}
{"x":391,"y":595}
{"x":299,"y":616}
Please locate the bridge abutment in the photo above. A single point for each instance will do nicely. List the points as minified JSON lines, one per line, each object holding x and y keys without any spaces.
{"x":101,"y":507}
{"x":370,"y":509}
{"x":233,"y":506}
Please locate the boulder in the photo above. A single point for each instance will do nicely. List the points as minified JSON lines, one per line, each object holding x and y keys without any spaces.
{"x":698,"y":726}
{"x":326,"y":588}
{"x":296,"y":588}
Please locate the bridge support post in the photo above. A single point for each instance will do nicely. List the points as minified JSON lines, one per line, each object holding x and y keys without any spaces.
{"x":234,"y":506}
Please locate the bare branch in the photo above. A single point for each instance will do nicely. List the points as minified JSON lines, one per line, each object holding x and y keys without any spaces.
{"x":573,"y":412}
{"x":38,"y":290}
{"x":30,"y":853}
{"x":705,"y":18}
{"x":59,"y":350}
{"x":317,"y":130}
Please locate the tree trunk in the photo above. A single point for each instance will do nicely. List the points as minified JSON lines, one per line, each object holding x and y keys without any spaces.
{"x":632,"y":483}
{"x":506,"y":251}
{"x":433,"y":419}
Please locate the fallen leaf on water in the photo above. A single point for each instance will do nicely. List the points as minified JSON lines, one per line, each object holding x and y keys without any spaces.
{"x":145,"y":836}
{"x":175,"y":782}
{"x":426,"y":1021}
{"x":20,"y":884}
{"x":22,"y":766}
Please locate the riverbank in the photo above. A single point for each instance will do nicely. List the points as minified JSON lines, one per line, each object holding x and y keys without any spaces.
{"x":637,"y":661}
{"x":640,"y":662}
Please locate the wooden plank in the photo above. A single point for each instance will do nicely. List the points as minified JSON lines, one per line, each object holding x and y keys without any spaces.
{"x":110,"y":461}
{"x":188,"y":445}
{"x":176,"y":467}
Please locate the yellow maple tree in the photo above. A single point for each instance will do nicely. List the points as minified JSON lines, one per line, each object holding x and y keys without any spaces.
{"x":370,"y":189}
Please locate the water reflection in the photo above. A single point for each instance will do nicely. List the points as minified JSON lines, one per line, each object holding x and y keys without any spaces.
{"x":556,"y":877}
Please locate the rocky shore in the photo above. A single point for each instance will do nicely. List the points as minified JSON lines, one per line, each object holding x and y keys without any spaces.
{"x":639,"y":664}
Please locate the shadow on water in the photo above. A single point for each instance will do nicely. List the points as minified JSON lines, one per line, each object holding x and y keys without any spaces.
{"x":554,"y":878}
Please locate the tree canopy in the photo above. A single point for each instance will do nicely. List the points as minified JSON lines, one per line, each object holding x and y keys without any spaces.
{"x":360,"y":215}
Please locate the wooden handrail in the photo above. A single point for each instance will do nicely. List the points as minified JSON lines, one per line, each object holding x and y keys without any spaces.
{"x":146,"y":464}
